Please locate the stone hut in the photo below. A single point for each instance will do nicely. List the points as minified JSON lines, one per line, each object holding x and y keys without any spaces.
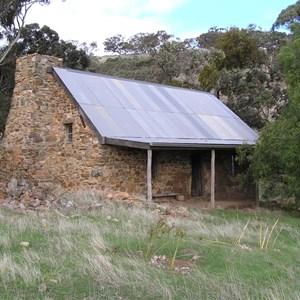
{"x":70,"y":130}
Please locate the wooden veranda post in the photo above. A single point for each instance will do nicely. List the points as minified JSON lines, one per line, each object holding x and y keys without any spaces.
{"x":212,"y":179}
{"x":149,"y":175}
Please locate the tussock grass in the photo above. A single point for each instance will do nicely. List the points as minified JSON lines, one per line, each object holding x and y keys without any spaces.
{"x":106,"y":253}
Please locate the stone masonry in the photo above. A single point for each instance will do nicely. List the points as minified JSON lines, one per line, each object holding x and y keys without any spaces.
{"x":37,"y":157}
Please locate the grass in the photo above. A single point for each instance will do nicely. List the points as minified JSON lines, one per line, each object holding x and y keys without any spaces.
{"x":106,"y":254}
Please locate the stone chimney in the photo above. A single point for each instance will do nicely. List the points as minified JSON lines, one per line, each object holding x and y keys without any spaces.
{"x":31,"y":93}
{"x":32,"y":69}
{"x":28,"y":128}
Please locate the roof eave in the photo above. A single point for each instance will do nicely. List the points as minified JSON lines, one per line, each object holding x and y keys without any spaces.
{"x":170,"y":146}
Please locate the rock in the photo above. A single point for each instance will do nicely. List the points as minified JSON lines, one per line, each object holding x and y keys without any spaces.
{"x":121,"y":196}
{"x":36,"y":203}
{"x":97,"y":206}
{"x":13,"y":189}
{"x":196,"y":257}
{"x":24,"y":183}
{"x":45,"y":223}
{"x":26,"y":197}
{"x":58,"y":192}
{"x":53,"y":281}
{"x":9,"y":205}
{"x":69,"y":204}
{"x":182,"y":210}
{"x":39,"y":195}
{"x":97,"y":172}
{"x":22,"y":206}
{"x":24,"y":244}
{"x":180,"y":197}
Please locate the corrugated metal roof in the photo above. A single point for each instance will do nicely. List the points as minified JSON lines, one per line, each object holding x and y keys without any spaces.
{"x":148,"y":115}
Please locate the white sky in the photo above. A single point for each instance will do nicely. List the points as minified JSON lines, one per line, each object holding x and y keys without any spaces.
{"x":95,"y":20}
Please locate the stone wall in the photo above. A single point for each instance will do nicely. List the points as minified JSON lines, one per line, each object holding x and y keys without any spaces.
{"x":228,"y":185}
{"x":174,"y":175}
{"x":173,"y":172}
{"x":39,"y":162}
{"x":36,"y":146}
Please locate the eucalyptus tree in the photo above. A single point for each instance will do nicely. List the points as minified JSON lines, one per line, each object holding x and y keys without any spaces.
{"x":140,"y":43}
{"x":288,"y":16}
{"x":46,"y":41}
{"x":43,"y":41}
{"x":244,"y":72}
{"x":12,"y":20}
{"x":156,"y":57}
{"x":276,"y":157}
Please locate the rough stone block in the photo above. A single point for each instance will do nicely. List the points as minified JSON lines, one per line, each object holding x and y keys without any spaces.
{"x":180,"y":197}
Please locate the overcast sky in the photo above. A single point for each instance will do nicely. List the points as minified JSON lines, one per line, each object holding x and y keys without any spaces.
{"x":95,"y":20}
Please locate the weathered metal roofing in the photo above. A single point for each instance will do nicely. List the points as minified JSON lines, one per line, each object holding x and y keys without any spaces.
{"x":145,"y":115}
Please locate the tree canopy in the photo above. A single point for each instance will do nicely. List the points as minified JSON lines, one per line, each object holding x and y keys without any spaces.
{"x":245,"y":73}
{"x":12,"y":20}
{"x":140,"y":43}
{"x":288,"y":16}
{"x":43,"y":41}
{"x":276,"y":156}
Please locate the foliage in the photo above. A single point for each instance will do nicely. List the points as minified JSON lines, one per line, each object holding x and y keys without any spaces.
{"x":140,"y":43}
{"x":240,"y":49}
{"x":130,"y":66}
{"x":12,"y":21}
{"x":46,"y":41}
{"x":12,"y":10}
{"x":153,"y":57}
{"x":276,"y":157}
{"x":211,"y":38}
{"x":7,"y":79}
{"x":179,"y":63}
{"x":288,"y":16}
{"x":37,"y":40}
{"x":246,"y":77}
{"x":266,"y":235}
{"x":252,"y":95}
{"x":162,"y":231}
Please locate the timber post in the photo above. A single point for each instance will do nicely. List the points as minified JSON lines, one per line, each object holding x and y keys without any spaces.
{"x":213,"y":178}
{"x":149,"y":176}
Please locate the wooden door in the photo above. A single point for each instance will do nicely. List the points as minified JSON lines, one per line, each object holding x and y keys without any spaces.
{"x":197,"y":176}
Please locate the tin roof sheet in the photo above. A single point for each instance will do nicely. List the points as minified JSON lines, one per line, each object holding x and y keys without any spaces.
{"x":152,"y":114}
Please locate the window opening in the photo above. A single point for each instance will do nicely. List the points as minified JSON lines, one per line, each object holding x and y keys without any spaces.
{"x":69,"y":131}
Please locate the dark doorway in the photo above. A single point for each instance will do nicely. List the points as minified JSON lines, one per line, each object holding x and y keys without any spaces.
{"x":197,"y":176}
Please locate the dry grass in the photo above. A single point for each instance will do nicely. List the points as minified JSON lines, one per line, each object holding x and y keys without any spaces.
{"x":75,"y":254}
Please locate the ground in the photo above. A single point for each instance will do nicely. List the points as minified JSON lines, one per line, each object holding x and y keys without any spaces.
{"x":202,"y":204}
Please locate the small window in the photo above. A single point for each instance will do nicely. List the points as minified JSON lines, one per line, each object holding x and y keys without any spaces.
{"x":69,"y":132}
